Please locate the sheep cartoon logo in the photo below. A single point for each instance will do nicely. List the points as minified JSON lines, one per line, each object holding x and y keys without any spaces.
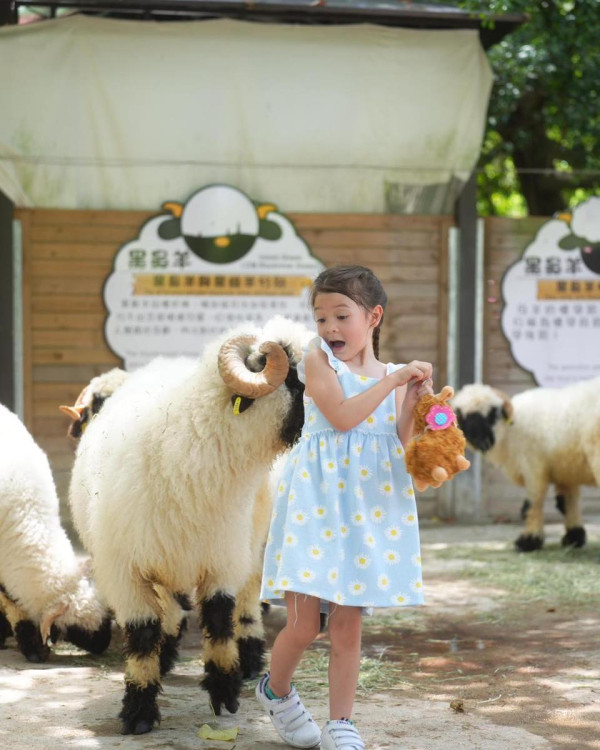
{"x":551,"y":295}
{"x":585,"y":233}
{"x":201,"y":267}
{"x":219,"y":223}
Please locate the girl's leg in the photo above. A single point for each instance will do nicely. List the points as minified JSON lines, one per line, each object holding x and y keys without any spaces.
{"x":301,"y":629}
{"x":345,"y":630}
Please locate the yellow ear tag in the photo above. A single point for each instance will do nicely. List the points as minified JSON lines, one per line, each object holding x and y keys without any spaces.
{"x":236,"y":405}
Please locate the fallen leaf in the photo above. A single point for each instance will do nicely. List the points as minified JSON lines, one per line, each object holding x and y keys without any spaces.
{"x":227,"y":735}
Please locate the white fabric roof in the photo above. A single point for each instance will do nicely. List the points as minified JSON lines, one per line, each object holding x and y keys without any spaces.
{"x":102,"y":113}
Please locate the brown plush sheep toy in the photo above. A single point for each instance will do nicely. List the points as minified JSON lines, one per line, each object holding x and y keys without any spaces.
{"x":436,"y":451}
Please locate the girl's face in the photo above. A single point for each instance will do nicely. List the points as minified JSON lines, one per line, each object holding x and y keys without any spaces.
{"x":346,"y":327}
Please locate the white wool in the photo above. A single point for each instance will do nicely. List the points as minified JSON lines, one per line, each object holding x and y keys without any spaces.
{"x":38,"y":567}
{"x":165,"y":479}
{"x":104,"y":385}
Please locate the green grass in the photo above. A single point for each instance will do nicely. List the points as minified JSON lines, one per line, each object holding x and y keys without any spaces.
{"x":375,"y":673}
{"x":554,"y":574}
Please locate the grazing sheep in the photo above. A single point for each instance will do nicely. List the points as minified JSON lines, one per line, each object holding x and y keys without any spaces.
{"x":169,"y":493}
{"x":539,"y":437}
{"x":43,"y":592}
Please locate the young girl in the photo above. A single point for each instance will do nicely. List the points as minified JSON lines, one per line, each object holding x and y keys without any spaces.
{"x":344,"y":526}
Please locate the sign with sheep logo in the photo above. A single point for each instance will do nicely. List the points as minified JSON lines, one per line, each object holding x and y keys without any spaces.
{"x":200,"y":268}
{"x":551,"y":295}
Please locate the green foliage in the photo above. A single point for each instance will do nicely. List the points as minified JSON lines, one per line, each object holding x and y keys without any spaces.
{"x":545,"y":107}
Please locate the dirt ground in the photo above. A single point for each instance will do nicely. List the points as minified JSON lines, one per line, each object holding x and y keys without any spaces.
{"x":488,"y":663}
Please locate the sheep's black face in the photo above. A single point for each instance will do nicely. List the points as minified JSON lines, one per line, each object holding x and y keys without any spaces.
{"x":292,"y":425}
{"x":478,"y":428}
{"x":95,"y":641}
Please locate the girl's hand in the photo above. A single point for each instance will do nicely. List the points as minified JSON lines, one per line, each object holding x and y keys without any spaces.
{"x":414,"y":371}
{"x":414,"y":392}
{"x":425,"y":388}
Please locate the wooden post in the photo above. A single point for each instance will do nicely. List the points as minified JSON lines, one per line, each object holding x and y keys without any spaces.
{"x":7,"y":335}
{"x":466,"y":487}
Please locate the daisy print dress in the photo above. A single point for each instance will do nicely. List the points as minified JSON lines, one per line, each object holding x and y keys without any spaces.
{"x":344,"y":524}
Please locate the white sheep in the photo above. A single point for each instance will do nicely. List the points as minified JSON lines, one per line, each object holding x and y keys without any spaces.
{"x":43,"y":592}
{"x":539,"y":437}
{"x":169,"y":493}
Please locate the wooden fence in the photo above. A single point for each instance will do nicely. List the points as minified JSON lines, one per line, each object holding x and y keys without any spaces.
{"x":67,"y":256}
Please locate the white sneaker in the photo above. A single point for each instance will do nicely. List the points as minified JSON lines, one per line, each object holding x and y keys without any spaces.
{"x":291,"y":720}
{"x":341,"y":733}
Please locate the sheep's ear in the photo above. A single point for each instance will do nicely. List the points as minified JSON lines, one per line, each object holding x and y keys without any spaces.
{"x":507,"y":407}
{"x":48,"y":619}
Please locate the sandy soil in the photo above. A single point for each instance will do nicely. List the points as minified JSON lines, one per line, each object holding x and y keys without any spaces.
{"x":466,"y":671}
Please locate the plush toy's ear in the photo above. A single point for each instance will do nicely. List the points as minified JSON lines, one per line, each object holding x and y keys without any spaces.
{"x":447,"y":392}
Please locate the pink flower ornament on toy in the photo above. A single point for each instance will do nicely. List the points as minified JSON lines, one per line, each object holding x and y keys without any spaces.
{"x":440,"y":417}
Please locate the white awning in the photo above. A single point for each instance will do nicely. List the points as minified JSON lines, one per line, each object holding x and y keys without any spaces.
{"x":103,"y":113}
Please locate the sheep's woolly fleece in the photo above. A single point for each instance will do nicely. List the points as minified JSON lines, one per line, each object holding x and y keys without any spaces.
{"x":37,"y":562}
{"x":166,"y":472}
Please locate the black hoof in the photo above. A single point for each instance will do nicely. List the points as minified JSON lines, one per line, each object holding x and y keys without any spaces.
{"x":140,"y":727}
{"x":529,"y":543}
{"x":140,"y":710}
{"x":223,"y":687}
{"x":575,"y":537}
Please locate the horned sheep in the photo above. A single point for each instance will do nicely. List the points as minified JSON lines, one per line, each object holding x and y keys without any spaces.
{"x":539,"y":437}
{"x":169,"y":493}
{"x":44,"y":593}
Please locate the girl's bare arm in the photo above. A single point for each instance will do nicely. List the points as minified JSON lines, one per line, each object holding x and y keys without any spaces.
{"x":323,"y":386}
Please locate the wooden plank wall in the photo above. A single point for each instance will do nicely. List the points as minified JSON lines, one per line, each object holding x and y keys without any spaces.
{"x":68,"y":255}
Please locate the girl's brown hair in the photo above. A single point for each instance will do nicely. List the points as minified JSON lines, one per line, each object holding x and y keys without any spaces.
{"x":358,"y":283}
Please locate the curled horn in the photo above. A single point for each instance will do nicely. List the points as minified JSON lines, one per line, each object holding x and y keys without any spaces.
{"x":241,"y":380}
{"x":48,"y":619}
{"x":76,"y":410}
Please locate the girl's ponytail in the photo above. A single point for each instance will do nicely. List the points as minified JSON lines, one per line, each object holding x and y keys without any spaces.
{"x":376,"y":332}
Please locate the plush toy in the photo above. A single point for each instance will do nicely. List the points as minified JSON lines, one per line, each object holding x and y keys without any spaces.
{"x":435,"y":453}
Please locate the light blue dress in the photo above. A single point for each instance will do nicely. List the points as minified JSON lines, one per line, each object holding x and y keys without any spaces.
{"x":344,"y":525}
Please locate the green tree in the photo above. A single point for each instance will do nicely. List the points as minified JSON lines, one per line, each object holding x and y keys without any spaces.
{"x":544,"y":110}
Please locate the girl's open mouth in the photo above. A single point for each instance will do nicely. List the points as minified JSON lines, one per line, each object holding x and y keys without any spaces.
{"x":336,"y":345}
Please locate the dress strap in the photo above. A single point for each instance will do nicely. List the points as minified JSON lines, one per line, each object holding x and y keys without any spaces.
{"x":318,"y":343}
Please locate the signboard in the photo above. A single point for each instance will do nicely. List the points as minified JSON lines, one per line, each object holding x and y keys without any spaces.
{"x":206,"y":266}
{"x":551,"y":314}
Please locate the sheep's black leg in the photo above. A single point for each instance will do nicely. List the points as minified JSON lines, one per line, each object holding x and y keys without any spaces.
{"x":142,"y":679}
{"x":5,"y":629}
{"x":223,"y":679}
{"x":533,"y":536}
{"x":249,"y":631}
{"x":575,"y":535}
